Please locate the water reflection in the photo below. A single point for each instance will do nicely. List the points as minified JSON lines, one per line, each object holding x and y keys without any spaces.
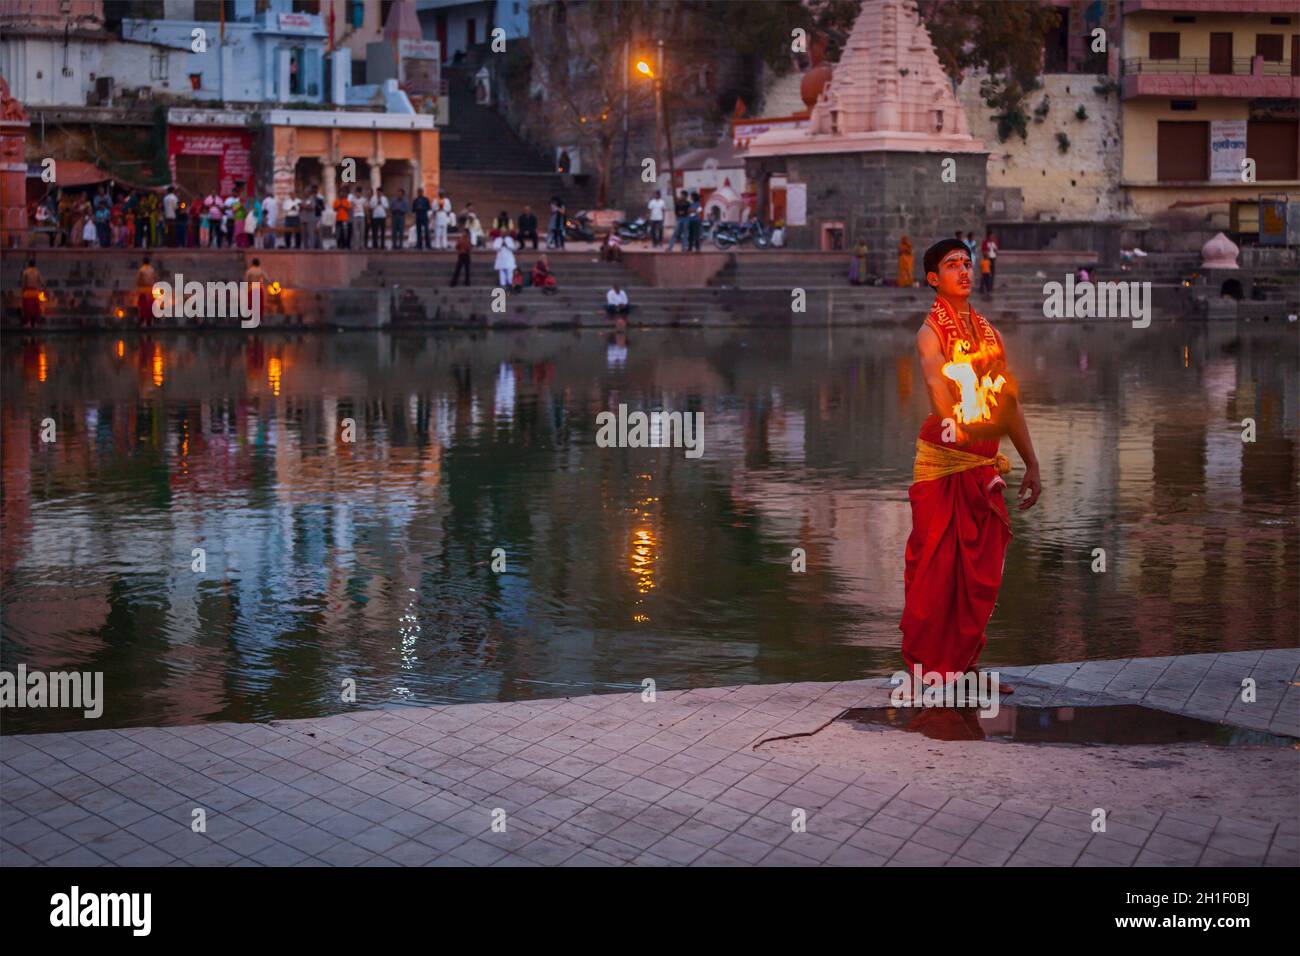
{"x":329,"y":558}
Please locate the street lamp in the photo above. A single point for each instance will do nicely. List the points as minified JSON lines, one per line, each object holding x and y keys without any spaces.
{"x":655,"y":73}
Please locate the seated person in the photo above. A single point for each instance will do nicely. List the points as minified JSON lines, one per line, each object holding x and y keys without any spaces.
{"x":612,"y":250}
{"x":517,"y":281}
{"x":543,"y":277}
{"x":616,"y":301}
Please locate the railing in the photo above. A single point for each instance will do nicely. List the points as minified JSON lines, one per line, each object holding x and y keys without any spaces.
{"x":1204,"y":66}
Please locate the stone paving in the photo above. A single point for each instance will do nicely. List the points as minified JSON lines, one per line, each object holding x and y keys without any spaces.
{"x":608,"y":780}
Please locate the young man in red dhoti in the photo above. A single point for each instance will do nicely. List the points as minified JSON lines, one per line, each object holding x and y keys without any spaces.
{"x":960,"y":526}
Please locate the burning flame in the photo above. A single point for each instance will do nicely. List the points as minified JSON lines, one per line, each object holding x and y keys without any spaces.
{"x":978,"y":395}
{"x":274,"y":288}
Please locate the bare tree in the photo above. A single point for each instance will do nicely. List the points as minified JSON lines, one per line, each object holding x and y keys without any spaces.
{"x":581,"y":62}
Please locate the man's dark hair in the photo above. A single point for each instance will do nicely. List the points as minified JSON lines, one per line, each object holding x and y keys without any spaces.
{"x":934,"y":255}
{"x":256,"y":262}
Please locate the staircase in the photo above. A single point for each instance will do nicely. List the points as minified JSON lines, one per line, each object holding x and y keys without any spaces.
{"x":483,"y":161}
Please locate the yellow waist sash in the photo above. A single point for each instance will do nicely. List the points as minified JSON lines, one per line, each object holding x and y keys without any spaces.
{"x":937,"y":461}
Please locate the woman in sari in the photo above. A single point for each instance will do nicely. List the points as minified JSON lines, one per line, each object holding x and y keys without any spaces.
{"x":905,"y":279}
{"x":543,"y":277}
{"x":858,"y":263}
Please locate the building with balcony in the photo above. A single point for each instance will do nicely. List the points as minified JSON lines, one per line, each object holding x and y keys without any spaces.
{"x":1204,"y":86}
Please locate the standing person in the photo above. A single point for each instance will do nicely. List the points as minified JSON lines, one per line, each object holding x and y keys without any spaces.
{"x":858,"y":263}
{"x":694,"y":217}
{"x":442,"y":216}
{"x":181,"y":222}
{"x":656,"y":206}
{"x":145,"y":277}
{"x":270,"y":220}
{"x":212,"y":205}
{"x":463,"y":247}
{"x":256,"y":274}
{"x":905,"y":265}
{"x":555,"y":229}
{"x":378,"y":206}
{"x":103,"y":217}
{"x":33,"y":287}
{"x":357,"y":216}
{"x":342,"y":222}
{"x":973,"y":246}
{"x":310,"y":215}
{"x":990,"y":251}
{"x":528,"y":227}
{"x":681,"y":210}
{"x":398,"y":211}
{"x":505,"y":246}
{"x":960,"y":526}
{"x":293,"y":221}
{"x":502,"y":225}
{"x":420,"y":205}
{"x":89,"y":231}
{"x":170,"y":202}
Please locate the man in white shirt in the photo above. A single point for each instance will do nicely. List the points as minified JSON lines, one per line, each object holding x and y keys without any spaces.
{"x":616,"y":303}
{"x":170,"y":202}
{"x":656,"y":206}
{"x":378,"y":206}
{"x":358,"y":219}
{"x":270,"y":219}
{"x":441,"y":220}
{"x":293,"y":221}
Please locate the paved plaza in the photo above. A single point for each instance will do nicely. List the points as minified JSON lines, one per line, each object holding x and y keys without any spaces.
{"x":701,"y":777}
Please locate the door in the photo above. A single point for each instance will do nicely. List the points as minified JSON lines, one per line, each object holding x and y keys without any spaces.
{"x":1182,"y":151}
{"x":1220,"y":52}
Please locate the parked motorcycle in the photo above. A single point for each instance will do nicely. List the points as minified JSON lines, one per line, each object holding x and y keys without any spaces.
{"x":729,"y":234}
{"x":635,"y":231}
{"x":578,"y":228}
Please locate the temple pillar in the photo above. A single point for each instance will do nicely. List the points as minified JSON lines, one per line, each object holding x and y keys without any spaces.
{"x":13,"y":169}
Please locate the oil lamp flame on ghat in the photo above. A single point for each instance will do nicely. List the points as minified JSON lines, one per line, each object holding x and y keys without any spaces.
{"x":979,"y":395}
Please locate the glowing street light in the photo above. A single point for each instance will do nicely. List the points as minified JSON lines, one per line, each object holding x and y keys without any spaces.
{"x":644,"y":69}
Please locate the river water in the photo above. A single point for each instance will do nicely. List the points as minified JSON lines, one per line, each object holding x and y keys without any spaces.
{"x":326,"y":560}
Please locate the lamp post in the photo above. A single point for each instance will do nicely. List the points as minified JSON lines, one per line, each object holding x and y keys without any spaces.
{"x":661,"y":114}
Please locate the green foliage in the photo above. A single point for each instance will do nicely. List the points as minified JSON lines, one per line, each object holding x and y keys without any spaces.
{"x":1106,"y":87}
{"x":1062,"y":142}
{"x":998,"y":37}
{"x":1040,"y":111}
{"x":1081,"y":113}
{"x":1011,"y":120}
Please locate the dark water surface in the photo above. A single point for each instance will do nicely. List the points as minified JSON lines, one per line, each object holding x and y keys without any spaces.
{"x":372,"y":560}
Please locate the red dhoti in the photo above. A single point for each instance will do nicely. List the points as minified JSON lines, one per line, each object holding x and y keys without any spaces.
{"x":956,"y":551}
{"x":144,"y":306}
{"x":31,"y":307}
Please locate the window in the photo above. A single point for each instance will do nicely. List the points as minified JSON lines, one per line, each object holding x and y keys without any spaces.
{"x":1163,"y":46}
{"x":384,"y":7}
{"x":1184,"y":19}
{"x":357,"y":13}
{"x":206,"y":11}
{"x":1269,"y":46}
{"x":307,"y":6}
{"x":196,"y":81}
{"x":158,"y":67}
{"x":1272,"y":145}
{"x":1180,"y":106}
{"x":358,"y":72}
{"x":1279,"y":21}
{"x":1182,"y":151}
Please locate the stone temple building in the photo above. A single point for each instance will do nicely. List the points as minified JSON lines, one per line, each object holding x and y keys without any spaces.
{"x":887,"y":150}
